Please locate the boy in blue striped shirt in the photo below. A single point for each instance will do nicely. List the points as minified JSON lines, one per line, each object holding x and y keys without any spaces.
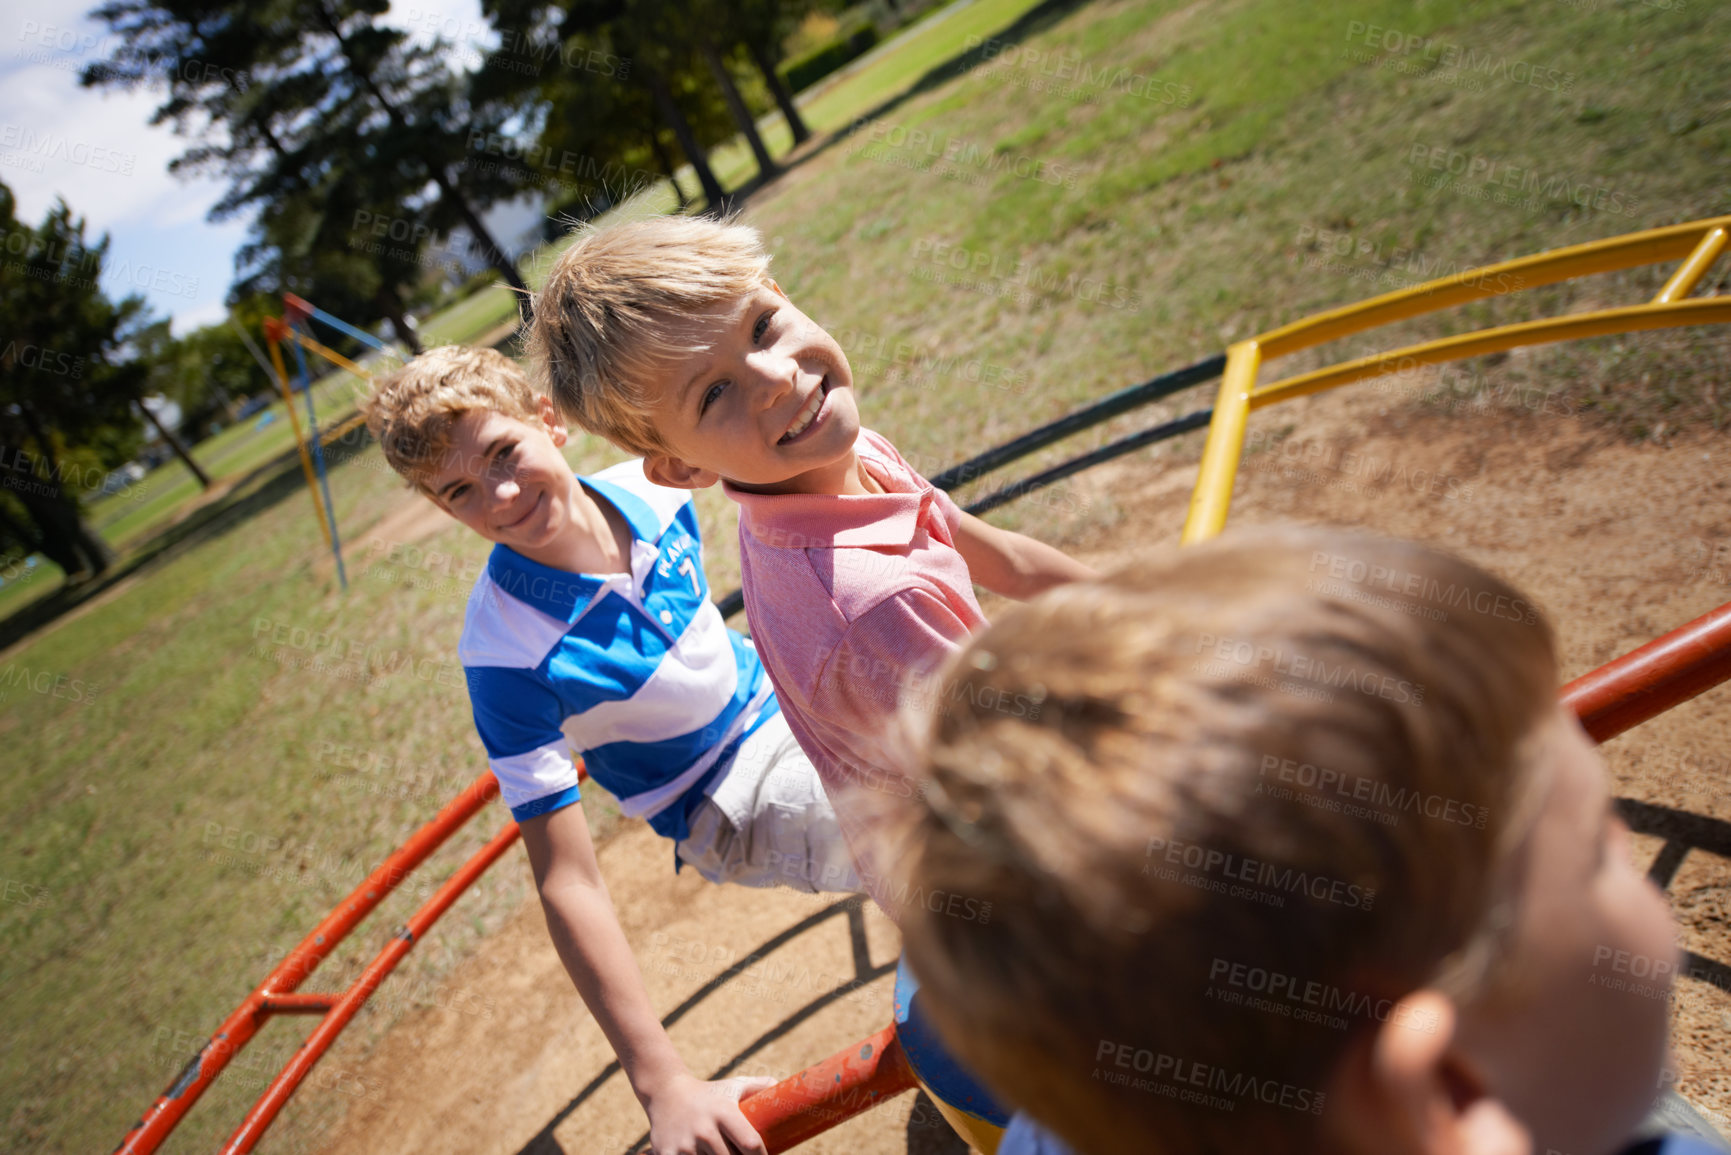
{"x":591,"y":630}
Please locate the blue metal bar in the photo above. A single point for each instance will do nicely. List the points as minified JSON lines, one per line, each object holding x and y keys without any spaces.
{"x":319,"y":461}
{"x":358,"y":334}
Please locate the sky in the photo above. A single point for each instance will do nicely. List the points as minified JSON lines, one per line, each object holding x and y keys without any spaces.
{"x":98,"y":151}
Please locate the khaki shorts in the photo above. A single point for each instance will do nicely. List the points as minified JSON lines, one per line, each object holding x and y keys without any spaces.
{"x":767,"y":821}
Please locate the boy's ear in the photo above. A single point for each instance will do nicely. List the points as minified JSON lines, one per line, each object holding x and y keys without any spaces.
{"x":663,"y":469}
{"x":1407,"y":1088}
{"x":777,"y":288}
{"x":556,"y":427}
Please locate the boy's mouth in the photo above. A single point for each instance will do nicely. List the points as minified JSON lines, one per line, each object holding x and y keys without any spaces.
{"x":808,"y":415}
{"x":527,"y":514}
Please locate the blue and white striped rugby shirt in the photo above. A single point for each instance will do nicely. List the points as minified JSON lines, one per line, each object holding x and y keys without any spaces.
{"x":637,"y":674}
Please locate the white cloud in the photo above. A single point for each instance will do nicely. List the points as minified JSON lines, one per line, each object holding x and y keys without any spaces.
{"x":97,"y":149}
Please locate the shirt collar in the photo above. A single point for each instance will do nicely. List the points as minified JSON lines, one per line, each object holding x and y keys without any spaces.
{"x":560,"y":593}
{"x":822,"y":520}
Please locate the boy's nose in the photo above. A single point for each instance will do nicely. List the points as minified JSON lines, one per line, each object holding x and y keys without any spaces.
{"x":780,"y":377}
{"x":506,"y":490}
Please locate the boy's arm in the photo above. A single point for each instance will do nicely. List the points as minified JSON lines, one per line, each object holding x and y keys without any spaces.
{"x":1013,"y":564}
{"x":687,"y":1116}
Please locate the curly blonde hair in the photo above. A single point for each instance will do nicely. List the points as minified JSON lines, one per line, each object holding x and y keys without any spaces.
{"x":412,"y":411}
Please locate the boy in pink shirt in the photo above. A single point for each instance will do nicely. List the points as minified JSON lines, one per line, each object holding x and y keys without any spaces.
{"x":667,"y":337}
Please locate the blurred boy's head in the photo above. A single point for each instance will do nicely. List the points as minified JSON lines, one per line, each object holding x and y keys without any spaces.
{"x":465,"y":427}
{"x":667,"y":337}
{"x":1289,"y":848}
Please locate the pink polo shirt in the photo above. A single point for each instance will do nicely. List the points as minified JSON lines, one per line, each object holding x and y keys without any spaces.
{"x":854,"y":601}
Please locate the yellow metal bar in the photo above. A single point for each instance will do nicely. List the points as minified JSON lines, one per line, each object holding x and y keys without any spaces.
{"x":1630,"y":251}
{"x":1632,"y":319}
{"x":1690,"y":272}
{"x":331,"y":355}
{"x":300,"y":437}
{"x":1213,"y":493}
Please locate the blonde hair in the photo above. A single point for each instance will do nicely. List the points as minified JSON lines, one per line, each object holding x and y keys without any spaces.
{"x":603,"y":323}
{"x":412,"y":411}
{"x":1300,"y":753}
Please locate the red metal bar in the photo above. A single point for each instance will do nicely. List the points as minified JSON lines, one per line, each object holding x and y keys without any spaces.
{"x":238,"y":1029}
{"x":1621,"y":694}
{"x":297,"y":1004}
{"x":264,"y":1112}
{"x":1646,"y":682}
{"x":850,"y":1081}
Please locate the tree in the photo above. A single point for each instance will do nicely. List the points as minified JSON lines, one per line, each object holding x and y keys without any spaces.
{"x":622,"y":68}
{"x":766,"y":166}
{"x":67,"y":390}
{"x":290,"y":98}
{"x":763,"y":26}
{"x":319,"y":245}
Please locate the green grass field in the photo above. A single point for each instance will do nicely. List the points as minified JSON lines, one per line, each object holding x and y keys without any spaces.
{"x":1116,"y":189}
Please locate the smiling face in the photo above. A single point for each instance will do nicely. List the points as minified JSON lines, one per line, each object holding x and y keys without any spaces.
{"x":506,"y":479}
{"x":764,"y":401}
{"x":1576,"y":1048}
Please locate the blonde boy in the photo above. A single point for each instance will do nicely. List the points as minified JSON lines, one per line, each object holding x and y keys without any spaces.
{"x":591,"y":630}
{"x":668,"y":337}
{"x":1300,"y":854}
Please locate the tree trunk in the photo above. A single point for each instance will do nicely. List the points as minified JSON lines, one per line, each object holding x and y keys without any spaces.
{"x":488,"y":246}
{"x":766,"y":166}
{"x":391,"y":305}
{"x":447,"y":191}
{"x":65,"y":539}
{"x":783,"y":98}
{"x":666,"y":163}
{"x":669,"y":109}
{"x":174,"y":443}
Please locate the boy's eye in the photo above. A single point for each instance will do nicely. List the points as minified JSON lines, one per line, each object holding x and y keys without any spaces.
{"x":762,"y":326}
{"x":709,"y":397}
